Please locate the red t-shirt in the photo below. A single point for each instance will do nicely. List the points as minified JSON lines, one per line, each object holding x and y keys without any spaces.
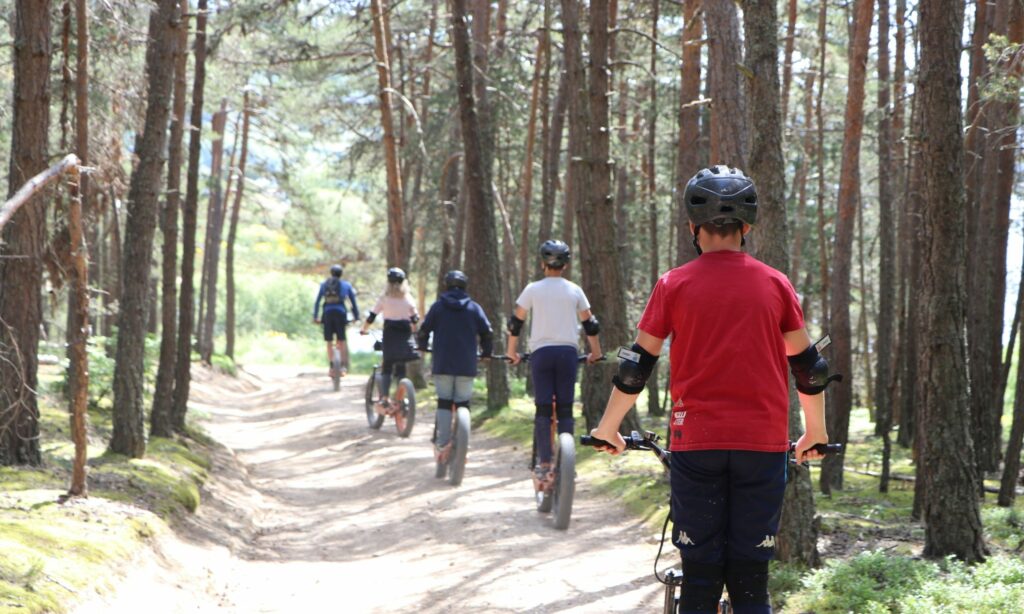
{"x":726,"y":313}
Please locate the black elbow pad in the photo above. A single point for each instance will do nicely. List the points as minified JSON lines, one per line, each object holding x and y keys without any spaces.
{"x":515,"y":325}
{"x":635,"y":367}
{"x":370,"y":318}
{"x":591,"y":326}
{"x":810,"y":370}
{"x":415,"y":318}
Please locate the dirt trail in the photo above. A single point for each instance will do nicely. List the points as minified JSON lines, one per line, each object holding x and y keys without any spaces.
{"x":316,"y":513}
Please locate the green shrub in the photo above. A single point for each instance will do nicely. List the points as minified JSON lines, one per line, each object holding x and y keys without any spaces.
{"x":224,"y":364}
{"x":881,"y":582}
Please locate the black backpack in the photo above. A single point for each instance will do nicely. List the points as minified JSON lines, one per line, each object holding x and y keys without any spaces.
{"x":332,"y":291}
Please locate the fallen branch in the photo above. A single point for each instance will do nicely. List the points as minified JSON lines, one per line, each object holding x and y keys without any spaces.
{"x":906,"y":478}
{"x":34,"y":185}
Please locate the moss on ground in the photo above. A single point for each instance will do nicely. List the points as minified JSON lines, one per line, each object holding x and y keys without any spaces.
{"x":52,"y":551}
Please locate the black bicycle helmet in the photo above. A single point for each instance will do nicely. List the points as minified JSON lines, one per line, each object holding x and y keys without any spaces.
{"x":455,"y":279}
{"x":555,"y":253}
{"x":336,"y":270}
{"x":719,"y":195}
{"x":396,"y":274}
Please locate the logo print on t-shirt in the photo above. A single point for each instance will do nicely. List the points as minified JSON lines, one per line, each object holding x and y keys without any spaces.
{"x":678,"y":417}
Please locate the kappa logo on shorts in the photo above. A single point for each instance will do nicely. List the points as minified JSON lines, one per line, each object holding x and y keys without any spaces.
{"x":685,"y":540}
{"x":768,"y":542}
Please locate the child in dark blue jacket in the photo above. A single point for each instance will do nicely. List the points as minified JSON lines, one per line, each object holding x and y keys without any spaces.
{"x":457,"y":322}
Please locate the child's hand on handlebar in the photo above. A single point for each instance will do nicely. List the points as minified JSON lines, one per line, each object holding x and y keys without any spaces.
{"x":594,"y":357}
{"x":612,"y":437}
{"x":804,"y":447}
{"x":514,"y":358}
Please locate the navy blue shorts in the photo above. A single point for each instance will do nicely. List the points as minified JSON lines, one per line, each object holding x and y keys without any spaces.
{"x":726,"y":504}
{"x":554,"y":374}
{"x":334,"y":321}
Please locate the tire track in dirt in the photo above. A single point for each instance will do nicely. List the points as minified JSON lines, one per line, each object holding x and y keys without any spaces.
{"x":317,"y":513}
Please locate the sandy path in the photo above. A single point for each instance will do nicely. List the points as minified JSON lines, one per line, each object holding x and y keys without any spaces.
{"x":320,"y":514}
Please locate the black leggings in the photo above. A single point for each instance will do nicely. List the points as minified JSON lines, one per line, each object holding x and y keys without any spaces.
{"x":389,"y":366}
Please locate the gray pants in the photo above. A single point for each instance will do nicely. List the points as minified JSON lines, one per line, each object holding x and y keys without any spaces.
{"x":457,"y":389}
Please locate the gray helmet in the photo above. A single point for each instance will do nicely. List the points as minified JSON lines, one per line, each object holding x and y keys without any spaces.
{"x":719,"y":195}
{"x":555,"y":253}
{"x":396,"y":274}
{"x":336,"y":270}
{"x":455,"y":279}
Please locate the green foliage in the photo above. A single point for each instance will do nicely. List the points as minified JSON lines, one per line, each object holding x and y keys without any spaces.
{"x":1004,"y":526}
{"x":224,"y":364}
{"x":880,"y":582}
{"x":275,"y":301}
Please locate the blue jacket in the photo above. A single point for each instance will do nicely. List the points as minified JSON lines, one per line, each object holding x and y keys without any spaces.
{"x":346,"y":291}
{"x":456,"y":321}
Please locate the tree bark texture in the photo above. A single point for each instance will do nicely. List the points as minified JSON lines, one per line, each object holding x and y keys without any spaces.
{"x":481,"y":253}
{"x":946,"y":468}
{"x":77,"y":340}
{"x":229,"y":263}
{"x":987,"y":283}
{"x":143,"y":201}
{"x":552,"y":160}
{"x":798,"y":534}
{"x":729,"y":141}
{"x":591,"y":188}
{"x":396,"y":209}
{"x":543,"y":44}
{"x":186,"y":313}
{"x":841,"y":396}
{"x":1011,"y":469}
{"x":885,"y":323}
{"x":214,"y":229}
{"x":688,"y":153}
{"x":24,"y":238}
{"x":163,"y":395}
{"x":767,"y":166}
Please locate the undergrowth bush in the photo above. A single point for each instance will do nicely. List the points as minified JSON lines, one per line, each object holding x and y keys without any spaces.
{"x":878,"y":581}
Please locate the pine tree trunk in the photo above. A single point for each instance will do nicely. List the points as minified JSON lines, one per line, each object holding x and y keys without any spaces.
{"x":186,"y":297}
{"x":527,"y":175}
{"x":214,"y":226}
{"x":653,"y":406}
{"x":841,"y":397}
{"x":552,"y":160}
{"x":729,"y":140}
{"x":1011,"y":468}
{"x":590,"y":189}
{"x":819,"y":114}
{"x":987,"y":283}
{"x":163,"y":395}
{"x":128,"y":435}
{"x":884,"y":325}
{"x":229,"y":264}
{"x":481,"y":257}
{"x":688,"y":153}
{"x":24,"y":237}
{"x":949,"y":480}
{"x":787,"y":61}
{"x":396,"y":255}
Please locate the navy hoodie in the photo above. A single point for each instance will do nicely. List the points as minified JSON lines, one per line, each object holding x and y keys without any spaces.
{"x":456,"y":321}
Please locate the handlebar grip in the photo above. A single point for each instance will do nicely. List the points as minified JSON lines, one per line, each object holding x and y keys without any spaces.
{"x":824,"y":449}
{"x":589,"y":440}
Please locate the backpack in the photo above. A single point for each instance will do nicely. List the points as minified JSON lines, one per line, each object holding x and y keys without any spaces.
{"x":332,"y":291}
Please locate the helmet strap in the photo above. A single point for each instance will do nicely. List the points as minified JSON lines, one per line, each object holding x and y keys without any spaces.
{"x":696,"y":245}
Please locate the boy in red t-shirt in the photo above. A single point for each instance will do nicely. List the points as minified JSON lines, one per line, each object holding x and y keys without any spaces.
{"x":734,"y":322}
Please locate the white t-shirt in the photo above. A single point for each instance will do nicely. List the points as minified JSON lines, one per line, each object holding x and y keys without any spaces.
{"x":555,"y":304}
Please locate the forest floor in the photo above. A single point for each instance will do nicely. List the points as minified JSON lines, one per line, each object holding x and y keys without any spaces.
{"x":306,"y":509}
